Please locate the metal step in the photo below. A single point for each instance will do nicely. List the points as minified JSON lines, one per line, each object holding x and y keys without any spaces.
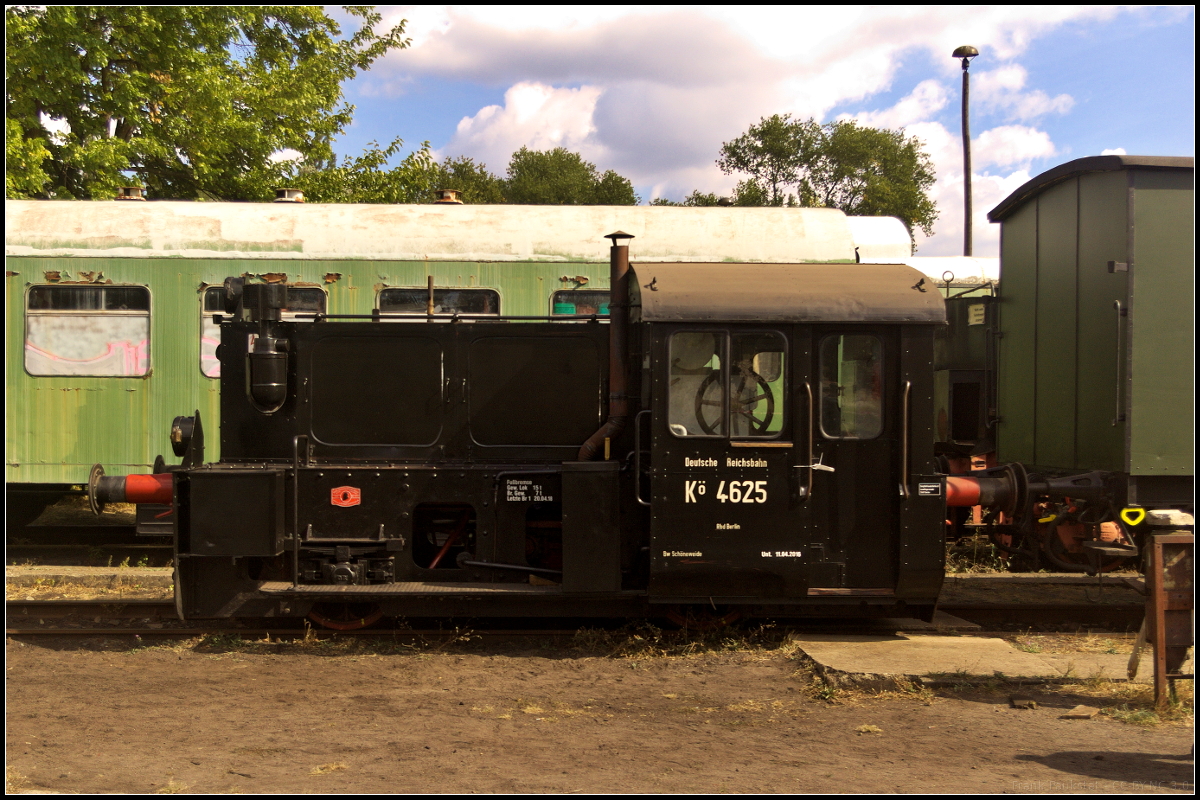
{"x":1112,"y":551}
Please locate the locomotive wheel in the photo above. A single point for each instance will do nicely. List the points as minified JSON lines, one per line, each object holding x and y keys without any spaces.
{"x":345,"y":616}
{"x":704,"y":620}
{"x":751,"y":389}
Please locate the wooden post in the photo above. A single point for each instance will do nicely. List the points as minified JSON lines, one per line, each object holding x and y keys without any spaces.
{"x":1169,"y":605}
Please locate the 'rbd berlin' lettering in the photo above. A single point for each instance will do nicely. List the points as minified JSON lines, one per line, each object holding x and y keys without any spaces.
{"x":730,"y":461}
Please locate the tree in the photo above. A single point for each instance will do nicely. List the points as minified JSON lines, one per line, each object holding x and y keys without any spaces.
{"x":473,"y":180}
{"x":192,"y":100}
{"x":366,"y":179}
{"x":862,"y":171}
{"x":696,"y":198}
{"x":773,"y":152}
{"x":23,"y":158}
{"x":560,"y":177}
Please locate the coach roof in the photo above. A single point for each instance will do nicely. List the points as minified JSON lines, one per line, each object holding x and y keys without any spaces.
{"x":1079,"y":166}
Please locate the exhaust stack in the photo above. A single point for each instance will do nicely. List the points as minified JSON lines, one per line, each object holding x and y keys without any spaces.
{"x":618,"y":347}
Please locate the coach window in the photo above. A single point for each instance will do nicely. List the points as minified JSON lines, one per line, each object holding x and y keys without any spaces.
{"x":851,"y":393}
{"x":579,"y":301}
{"x":87,"y":330}
{"x":301,"y":300}
{"x":465,"y":302}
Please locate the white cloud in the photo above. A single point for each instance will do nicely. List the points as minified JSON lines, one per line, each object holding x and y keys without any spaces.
{"x":986,"y":193}
{"x":287,"y":154}
{"x":1000,"y":91}
{"x":653,"y":91}
{"x":534,"y":115}
{"x":926,"y":99}
{"x":1113,"y":151}
{"x":57,"y":127}
{"x":1009,"y":145}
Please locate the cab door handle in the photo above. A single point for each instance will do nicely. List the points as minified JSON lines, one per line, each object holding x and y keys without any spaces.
{"x":805,"y":489}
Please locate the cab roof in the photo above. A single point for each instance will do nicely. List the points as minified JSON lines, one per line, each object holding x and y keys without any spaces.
{"x":730,"y":292}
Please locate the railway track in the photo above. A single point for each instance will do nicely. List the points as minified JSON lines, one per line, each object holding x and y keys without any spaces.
{"x":158,"y":618}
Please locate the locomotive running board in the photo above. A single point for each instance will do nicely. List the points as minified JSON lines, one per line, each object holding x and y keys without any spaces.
{"x":406,"y":588}
{"x":851,"y":592}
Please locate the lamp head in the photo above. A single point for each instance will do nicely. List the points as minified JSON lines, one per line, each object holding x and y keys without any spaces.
{"x":966,"y":53}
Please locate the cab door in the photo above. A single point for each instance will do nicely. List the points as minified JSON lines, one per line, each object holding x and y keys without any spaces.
{"x":725,"y":517}
{"x":854,"y":484}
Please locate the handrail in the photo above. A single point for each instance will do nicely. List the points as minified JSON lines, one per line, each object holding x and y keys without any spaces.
{"x":1120,"y":415}
{"x":904,"y":434}
{"x":452,"y":316}
{"x":637,"y":457}
{"x":296,"y":506}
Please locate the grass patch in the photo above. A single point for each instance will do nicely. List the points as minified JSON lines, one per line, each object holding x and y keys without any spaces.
{"x":974,"y":555}
{"x":326,"y":769}
{"x":172,"y":787}
{"x":121,"y":588}
{"x":15,"y":781}
{"x":645,"y":640}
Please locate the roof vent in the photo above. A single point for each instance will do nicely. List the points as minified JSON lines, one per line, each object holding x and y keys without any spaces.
{"x":284,"y":195}
{"x":448,"y":197}
{"x":131,"y":193}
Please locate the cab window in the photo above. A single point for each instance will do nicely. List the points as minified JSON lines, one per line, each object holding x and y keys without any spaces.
{"x":851,"y":393}
{"x":727,"y":384}
{"x":100,"y":331}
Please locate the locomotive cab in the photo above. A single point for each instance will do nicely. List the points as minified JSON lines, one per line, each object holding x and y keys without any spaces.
{"x":789,"y":450}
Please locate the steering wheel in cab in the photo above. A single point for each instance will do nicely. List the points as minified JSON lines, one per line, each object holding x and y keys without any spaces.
{"x":752,"y":404}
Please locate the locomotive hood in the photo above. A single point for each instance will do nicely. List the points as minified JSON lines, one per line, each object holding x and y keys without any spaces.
{"x":784,"y":293}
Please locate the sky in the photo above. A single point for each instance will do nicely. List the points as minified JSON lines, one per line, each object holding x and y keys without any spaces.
{"x":652,"y":91}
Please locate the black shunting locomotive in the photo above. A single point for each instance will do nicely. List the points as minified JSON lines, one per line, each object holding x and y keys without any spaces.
{"x":744,"y":437}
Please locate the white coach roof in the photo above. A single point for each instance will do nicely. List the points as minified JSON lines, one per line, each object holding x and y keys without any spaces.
{"x":442,"y":232}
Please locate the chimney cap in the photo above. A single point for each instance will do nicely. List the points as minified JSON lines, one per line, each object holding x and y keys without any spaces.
{"x":448,"y":197}
{"x":130,"y":193}
{"x":284,"y":194}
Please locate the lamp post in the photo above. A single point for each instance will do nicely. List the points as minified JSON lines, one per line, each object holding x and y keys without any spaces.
{"x":966,"y":53}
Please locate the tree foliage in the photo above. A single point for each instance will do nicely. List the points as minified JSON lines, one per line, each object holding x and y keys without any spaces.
{"x":367,"y":178}
{"x":23,"y":159}
{"x":860,"y":170}
{"x":476,"y":183}
{"x":560,"y":177}
{"x":192,"y":100}
{"x":773,"y":153}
